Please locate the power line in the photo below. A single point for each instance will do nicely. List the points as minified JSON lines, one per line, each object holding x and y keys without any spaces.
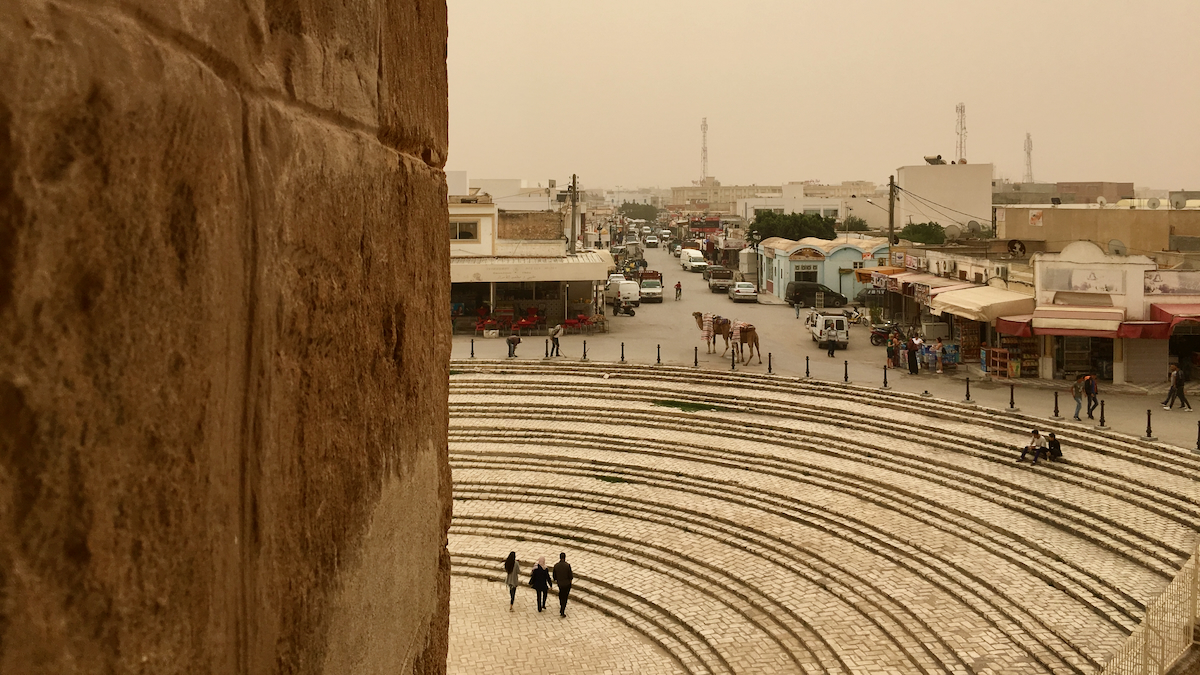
{"x":931,"y":202}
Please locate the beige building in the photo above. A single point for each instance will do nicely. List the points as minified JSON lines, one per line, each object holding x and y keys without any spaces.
{"x":1142,"y":231}
{"x":710,"y":195}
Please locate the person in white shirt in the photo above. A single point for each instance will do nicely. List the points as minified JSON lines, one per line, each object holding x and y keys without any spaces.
{"x":555,"y":333}
{"x":1036,"y":444}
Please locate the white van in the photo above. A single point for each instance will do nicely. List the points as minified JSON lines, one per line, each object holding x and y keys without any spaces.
{"x":692,"y":260}
{"x":830,"y":327}
{"x":624,"y":289}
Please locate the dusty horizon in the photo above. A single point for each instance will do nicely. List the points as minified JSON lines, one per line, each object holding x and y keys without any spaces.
{"x":830,"y":91}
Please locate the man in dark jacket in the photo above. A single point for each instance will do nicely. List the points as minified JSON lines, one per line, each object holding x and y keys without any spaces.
{"x":563,"y":577}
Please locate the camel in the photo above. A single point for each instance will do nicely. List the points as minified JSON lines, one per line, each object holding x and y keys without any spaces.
{"x":747,"y":335}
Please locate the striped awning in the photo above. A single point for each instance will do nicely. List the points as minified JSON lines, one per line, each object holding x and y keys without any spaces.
{"x":1072,"y":319}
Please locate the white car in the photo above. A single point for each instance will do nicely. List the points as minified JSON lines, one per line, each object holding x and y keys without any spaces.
{"x":651,"y":241}
{"x":743,"y":290}
{"x":646,"y":229}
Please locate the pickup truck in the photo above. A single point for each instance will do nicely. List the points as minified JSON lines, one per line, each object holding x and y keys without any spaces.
{"x":719,"y":279}
{"x":651,"y":286}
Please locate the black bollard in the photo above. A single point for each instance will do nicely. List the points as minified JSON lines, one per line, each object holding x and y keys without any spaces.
{"x":846,"y":376}
{"x":547,"y":347}
{"x":768,"y":363}
{"x":1056,"y":405}
{"x":696,"y":356}
{"x":806,"y":374}
{"x":968,"y":398}
{"x":733,"y":360}
{"x":1103,"y":425}
{"x":622,"y":352}
{"x":1012,"y":403}
{"x":585,"y":350}
{"x":1198,"y":434}
{"x":885,"y":386}
{"x":472,"y":347}
{"x":1149,"y":432}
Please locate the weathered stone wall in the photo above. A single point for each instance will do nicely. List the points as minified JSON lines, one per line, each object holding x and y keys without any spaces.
{"x":223,"y":359}
{"x":531,"y":225}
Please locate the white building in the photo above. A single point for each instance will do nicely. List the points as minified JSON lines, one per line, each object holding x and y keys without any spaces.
{"x":516,"y":194}
{"x":946,"y":194}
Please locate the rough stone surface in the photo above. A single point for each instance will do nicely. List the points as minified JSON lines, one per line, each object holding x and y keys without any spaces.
{"x":222,"y":377}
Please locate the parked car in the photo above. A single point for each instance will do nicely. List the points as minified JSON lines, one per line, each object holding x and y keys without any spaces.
{"x":709,"y":270}
{"x":870,"y":296}
{"x":804,"y":293}
{"x":743,"y":291}
{"x":651,"y":241}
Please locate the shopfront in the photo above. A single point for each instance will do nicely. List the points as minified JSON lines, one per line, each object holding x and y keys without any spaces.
{"x":974,"y":312}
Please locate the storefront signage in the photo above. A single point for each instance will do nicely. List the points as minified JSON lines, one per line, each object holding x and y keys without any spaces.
{"x":1172,"y":282}
{"x":1096,"y":280}
{"x":898,"y":258}
{"x":921,"y":293}
{"x":1035,"y":217}
{"x":912,"y":262}
{"x":807,"y":254}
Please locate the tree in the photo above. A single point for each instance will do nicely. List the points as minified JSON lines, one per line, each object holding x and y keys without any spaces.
{"x":639,"y":211}
{"x":854,"y":224}
{"x":794,"y":226}
{"x":924,"y":233}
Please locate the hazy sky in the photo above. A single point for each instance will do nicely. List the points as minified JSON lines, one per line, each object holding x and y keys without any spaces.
{"x":835,"y":90}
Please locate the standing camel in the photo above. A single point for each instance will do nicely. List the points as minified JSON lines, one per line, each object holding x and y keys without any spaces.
{"x":743,"y":334}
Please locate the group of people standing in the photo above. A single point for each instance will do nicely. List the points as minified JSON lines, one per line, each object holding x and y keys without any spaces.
{"x":909,"y":352}
{"x":541,"y":579}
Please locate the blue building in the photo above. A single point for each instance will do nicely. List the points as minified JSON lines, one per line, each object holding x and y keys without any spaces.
{"x":828,"y":261}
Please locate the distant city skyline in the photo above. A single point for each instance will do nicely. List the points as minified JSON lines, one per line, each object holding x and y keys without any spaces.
{"x":828,"y":90}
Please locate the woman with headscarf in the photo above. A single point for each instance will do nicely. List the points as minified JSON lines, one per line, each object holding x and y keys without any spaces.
{"x":540,"y":580}
{"x":913,"y":354}
{"x":513,"y":568}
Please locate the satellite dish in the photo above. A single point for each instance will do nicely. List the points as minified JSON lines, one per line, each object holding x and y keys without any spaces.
{"x":974,"y":229}
{"x":1179,"y":203}
{"x":953,"y":232}
{"x":1115,"y":247}
{"x":1016,"y":247}
{"x":1153,"y":203}
{"x":1101,"y":201}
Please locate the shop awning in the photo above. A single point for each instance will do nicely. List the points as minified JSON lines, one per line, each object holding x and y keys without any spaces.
{"x":1078,"y":320}
{"x":866,"y":275}
{"x":982,"y":303}
{"x":1145,"y":330}
{"x":586,"y":266}
{"x":1174,"y":314}
{"x":1019,"y":325}
{"x":958,"y":286}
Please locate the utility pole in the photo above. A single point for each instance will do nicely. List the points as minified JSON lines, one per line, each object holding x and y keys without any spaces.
{"x":891,"y":212}
{"x":574,"y":212}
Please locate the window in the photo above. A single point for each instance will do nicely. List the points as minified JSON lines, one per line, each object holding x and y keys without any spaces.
{"x":464,"y":230}
{"x":858,"y":265}
{"x":806,"y":272}
{"x":882,"y":262}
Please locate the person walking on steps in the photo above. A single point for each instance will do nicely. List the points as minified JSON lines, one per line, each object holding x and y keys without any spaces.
{"x":1091,"y":389}
{"x":1179,"y":380}
{"x":1077,"y":394}
{"x":513,"y":568}
{"x":555,"y":333}
{"x":1037,"y":444}
{"x":540,"y":580}
{"x":678,"y":289}
{"x":563,"y":577}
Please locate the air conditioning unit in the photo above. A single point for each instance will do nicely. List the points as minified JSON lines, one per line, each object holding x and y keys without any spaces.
{"x":1001,"y":271}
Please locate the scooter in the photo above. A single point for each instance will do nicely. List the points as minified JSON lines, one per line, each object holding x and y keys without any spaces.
{"x":623,"y":307}
{"x":855,"y":316}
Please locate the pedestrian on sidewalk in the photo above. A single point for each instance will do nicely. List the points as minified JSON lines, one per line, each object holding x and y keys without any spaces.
{"x":1036,"y":444}
{"x":1180,"y":381}
{"x":513,"y":340}
{"x":1077,"y":394}
{"x":540,"y":580}
{"x":563,"y":577}
{"x":901,"y":351}
{"x":939,"y":352}
{"x":513,"y":568}
{"x":1171,"y":377}
{"x":1091,"y":388}
{"x":555,"y":333}
{"x":891,"y":352}
{"x":913,"y":351}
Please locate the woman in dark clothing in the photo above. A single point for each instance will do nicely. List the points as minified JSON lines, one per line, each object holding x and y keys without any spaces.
{"x":540,"y":580}
{"x":912,"y":356}
{"x":513,"y":569}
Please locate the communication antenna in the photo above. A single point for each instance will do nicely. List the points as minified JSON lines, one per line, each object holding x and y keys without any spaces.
{"x":961,"y":130}
{"x":1153,"y":203}
{"x":1028,"y":157}
{"x":953,"y":232}
{"x":704,"y":149}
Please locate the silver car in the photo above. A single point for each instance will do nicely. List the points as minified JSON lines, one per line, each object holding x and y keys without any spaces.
{"x":743,"y":290}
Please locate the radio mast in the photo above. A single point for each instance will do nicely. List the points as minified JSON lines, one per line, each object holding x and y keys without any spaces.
{"x":961,"y":130}
{"x":703,"y":150}
{"x":1028,"y":157}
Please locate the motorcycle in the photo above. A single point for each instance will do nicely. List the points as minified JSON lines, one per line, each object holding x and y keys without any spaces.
{"x":623,"y":307}
{"x":881,"y":332}
{"x":854,"y":316}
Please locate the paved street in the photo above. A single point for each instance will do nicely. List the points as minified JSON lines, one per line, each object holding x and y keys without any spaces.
{"x":670,"y":326}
